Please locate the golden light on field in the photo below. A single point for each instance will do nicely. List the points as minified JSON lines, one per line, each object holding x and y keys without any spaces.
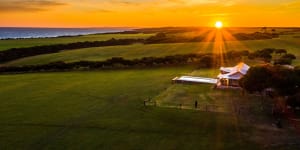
{"x":219,"y":24}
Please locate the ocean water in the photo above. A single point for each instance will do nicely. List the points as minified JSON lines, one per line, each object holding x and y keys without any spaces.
{"x":15,"y":33}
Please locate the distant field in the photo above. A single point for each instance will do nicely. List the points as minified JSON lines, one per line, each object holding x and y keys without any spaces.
{"x":104,"y":110}
{"x":139,"y":50}
{"x":7,"y":44}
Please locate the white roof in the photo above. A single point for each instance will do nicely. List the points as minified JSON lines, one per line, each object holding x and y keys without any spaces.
{"x":235,"y":75}
{"x":235,"y":72}
{"x":227,"y":69}
{"x":196,"y":79}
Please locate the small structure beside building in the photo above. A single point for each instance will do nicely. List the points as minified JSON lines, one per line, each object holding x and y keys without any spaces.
{"x":230,"y":76}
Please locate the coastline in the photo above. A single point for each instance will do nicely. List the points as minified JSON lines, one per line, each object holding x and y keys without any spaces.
{"x":14,"y":33}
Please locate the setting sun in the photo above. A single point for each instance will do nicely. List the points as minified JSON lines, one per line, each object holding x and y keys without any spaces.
{"x":219,"y":24}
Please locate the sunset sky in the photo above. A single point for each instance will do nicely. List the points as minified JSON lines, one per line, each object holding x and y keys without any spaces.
{"x":148,"y":13}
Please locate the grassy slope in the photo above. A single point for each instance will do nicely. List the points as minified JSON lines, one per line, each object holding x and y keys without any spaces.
{"x":7,"y":44}
{"x":103,"y":110}
{"x":139,"y":50}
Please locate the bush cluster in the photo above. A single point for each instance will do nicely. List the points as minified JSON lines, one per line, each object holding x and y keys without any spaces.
{"x":266,"y":55}
{"x":284,"y":80}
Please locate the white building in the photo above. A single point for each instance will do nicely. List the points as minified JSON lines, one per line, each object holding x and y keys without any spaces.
{"x":229,"y":76}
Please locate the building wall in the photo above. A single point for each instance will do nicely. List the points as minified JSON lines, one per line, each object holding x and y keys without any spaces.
{"x":229,"y":82}
{"x":233,"y":82}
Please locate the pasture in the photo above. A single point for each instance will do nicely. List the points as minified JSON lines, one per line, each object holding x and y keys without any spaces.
{"x":104,"y":110}
{"x":158,"y":50}
{"x":7,"y":44}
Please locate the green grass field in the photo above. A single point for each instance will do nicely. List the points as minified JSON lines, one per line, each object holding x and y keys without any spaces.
{"x":104,"y":110}
{"x":139,"y":50}
{"x":7,"y":44}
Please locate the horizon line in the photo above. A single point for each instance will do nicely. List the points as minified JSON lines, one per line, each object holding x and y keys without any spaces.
{"x":141,"y":27}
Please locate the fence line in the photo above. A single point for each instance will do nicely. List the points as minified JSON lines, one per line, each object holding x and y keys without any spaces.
{"x":237,"y":109}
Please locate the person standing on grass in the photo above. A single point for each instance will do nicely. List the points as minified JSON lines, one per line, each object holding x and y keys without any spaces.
{"x":278,"y":123}
{"x":196,"y":104}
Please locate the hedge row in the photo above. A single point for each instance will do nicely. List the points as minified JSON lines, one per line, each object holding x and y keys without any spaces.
{"x":200,"y":60}
{"x":16,"y":53}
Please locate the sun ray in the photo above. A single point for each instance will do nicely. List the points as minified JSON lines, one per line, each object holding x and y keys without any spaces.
{"x":206,"y":44}
{"x":231,"y":43}
{"x":218,"y":49}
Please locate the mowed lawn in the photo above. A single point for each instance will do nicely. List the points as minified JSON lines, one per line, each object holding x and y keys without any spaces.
{"x":7,"y":44}
{"x":104,"y":110}
{"x":215,"y":100}
{"x":159,"y":50}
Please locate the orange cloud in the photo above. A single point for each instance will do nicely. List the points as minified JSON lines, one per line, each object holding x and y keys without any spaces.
{"x":27,"y":5}
{"x":148,"y":13}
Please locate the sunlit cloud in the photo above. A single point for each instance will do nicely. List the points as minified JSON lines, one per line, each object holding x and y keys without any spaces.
{"x":28,"y":5}
{"x":150,"y":13}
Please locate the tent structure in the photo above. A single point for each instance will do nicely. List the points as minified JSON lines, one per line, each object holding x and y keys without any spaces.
{"x":191,"y":79}
{"x":229,"y":76}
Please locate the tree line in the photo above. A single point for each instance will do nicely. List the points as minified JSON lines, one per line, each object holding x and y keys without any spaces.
{"x":201,"y":60}
{"x":163,"y":37}
{"x":205,"y":60}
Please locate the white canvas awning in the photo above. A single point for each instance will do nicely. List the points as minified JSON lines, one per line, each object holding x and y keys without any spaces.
{"x":196,"y":79}
{"x":234,"y":76}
